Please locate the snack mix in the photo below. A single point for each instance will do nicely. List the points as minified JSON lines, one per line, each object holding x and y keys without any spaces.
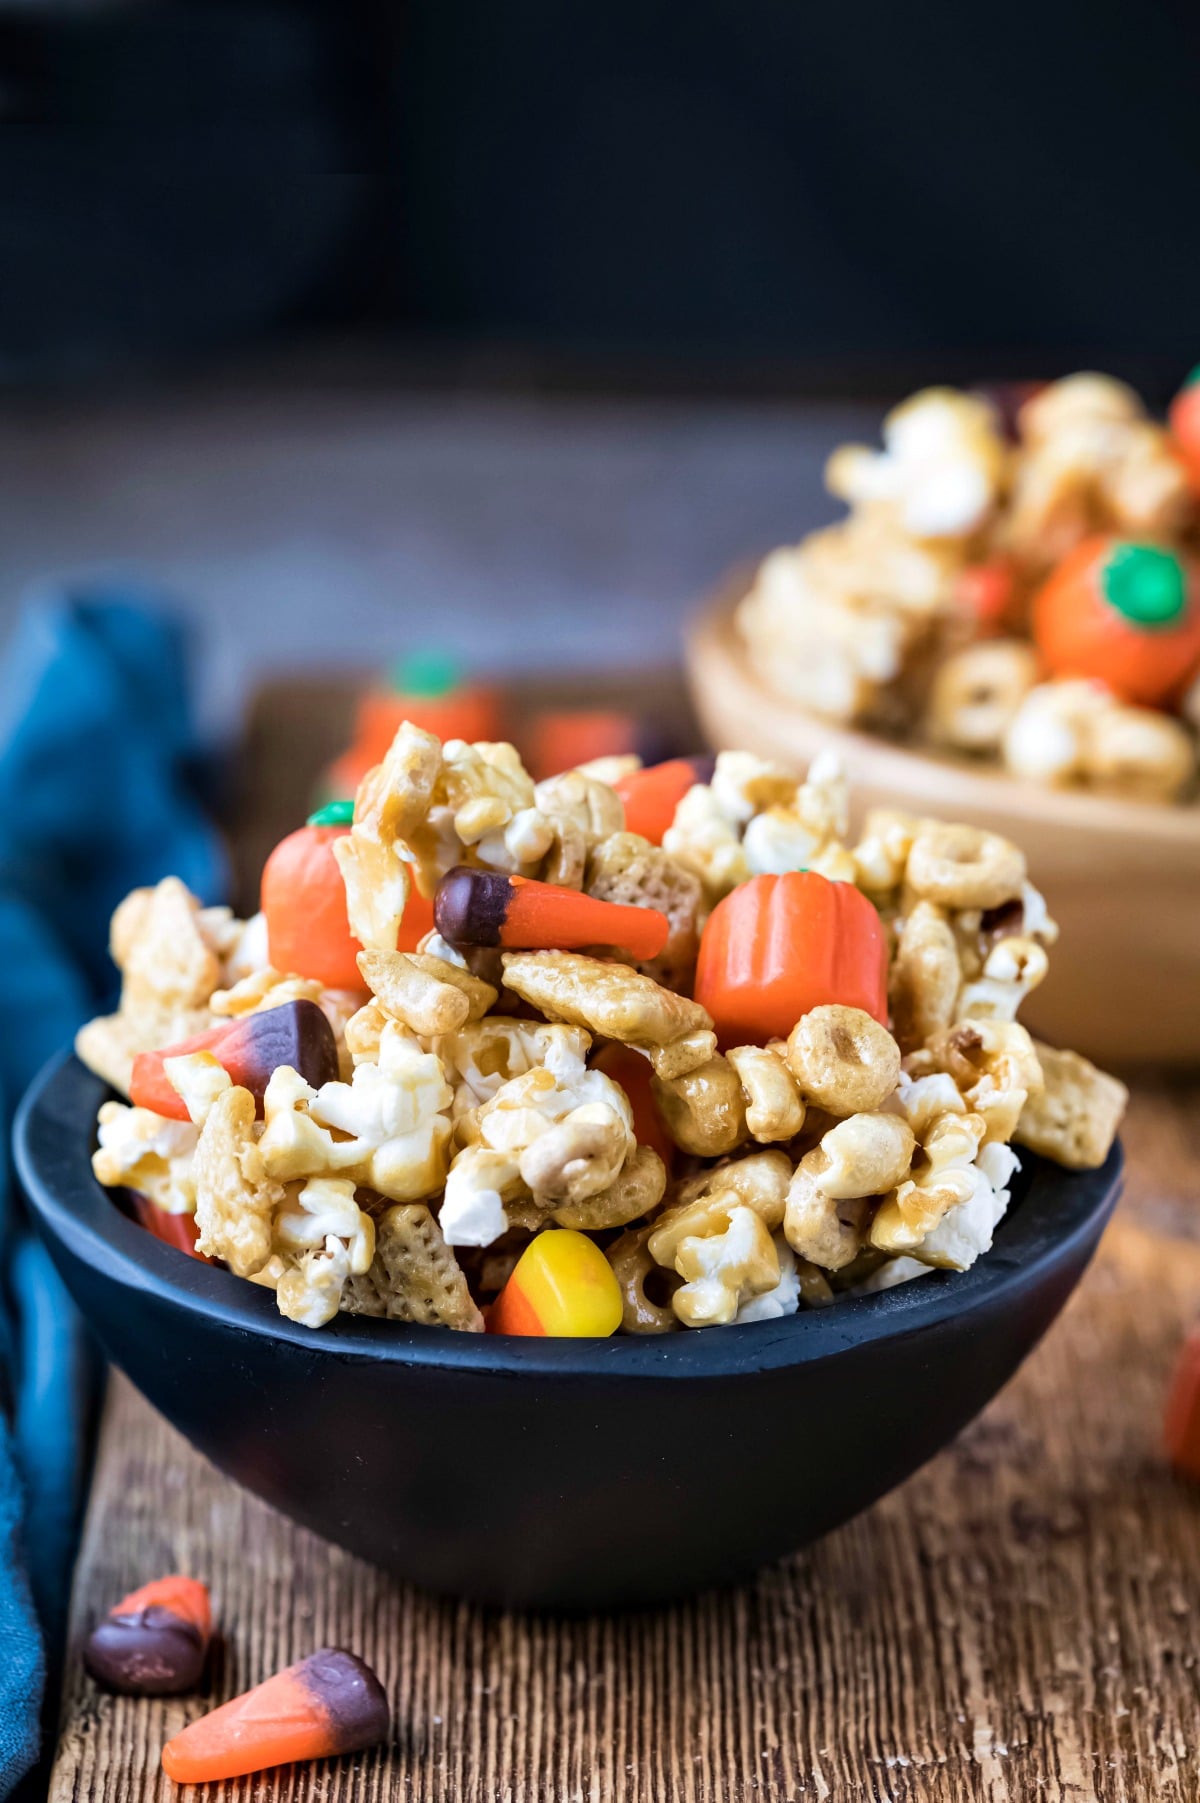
{"x":488,"y":1058}
{"x":1024,"y":592}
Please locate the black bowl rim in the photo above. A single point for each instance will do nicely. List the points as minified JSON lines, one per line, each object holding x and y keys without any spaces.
{"x":1044,"y":1230}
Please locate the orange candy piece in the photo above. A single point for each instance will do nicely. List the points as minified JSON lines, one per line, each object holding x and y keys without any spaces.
{"x":179,"y":1231}
{"x":186,"y":1597}
{"x":304,"y":900}
{"x":1123,"y":614}
{"x":295,"y":1033}
{"x":560,"y":740}
{"x":633,"y":1074}
{"x":986,"y":592}
{"x":561,"y":1287}
{"x":778,"y":946}
{"x":327,"y":1704}
{"x":459,"y":711}
{"x":1181,"y":1432}
{"x":1184,"y":421}
{"x":651,"y":796}
{"x":486,"y":907}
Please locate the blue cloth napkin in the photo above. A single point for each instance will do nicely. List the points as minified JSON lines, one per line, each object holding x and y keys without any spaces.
{"x":97,"y":768}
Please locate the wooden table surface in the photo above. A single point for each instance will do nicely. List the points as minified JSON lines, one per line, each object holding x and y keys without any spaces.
{"x":1017,"y":1621}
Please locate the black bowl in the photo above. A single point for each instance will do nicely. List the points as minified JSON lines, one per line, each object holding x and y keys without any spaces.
{"x":559,"y":1473}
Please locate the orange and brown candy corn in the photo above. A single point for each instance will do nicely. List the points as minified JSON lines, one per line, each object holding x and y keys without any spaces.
{"x":327,"y":1704}
{"x":154,"y":1641}
{"x":484,"y":907}
{"x":295,"y":1033}
{"x":562,"y":739}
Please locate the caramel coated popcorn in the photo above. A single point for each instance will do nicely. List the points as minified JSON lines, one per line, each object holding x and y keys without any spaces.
{"x":476,"y":1118}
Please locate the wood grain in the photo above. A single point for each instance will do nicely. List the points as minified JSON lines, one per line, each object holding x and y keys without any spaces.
{"x":1018,"y":1621}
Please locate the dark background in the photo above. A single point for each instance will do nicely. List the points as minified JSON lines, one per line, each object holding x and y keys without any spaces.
{"x":512,"y":327}
{"x":845,"y":195}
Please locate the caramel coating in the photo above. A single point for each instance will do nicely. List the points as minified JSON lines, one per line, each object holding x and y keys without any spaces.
{"x":632,"y":1264}
{"x":842,"y":1059}
{"x":704,"y":1111}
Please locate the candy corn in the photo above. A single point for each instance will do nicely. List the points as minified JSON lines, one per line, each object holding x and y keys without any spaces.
{"x":652,"y":795}
{"x":304,"y":900}
{"x":561,"y":1287}
{"x":484,"y":907}
{"x":296,"y":1033}
{"x":329,"y":1703}
{"x":154,"y":1641}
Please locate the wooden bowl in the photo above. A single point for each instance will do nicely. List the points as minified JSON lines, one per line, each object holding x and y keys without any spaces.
{"x":1122,"y":878}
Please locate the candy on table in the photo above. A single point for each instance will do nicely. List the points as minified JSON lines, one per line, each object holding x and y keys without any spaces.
{"x":483,"y":907}
{"x":1181,"y":1431}
{"x":296,"y":1034}
{"x":304,"y":901}
{"x":179,"y":1231}
{"x":1123,"y":614}
{"x":652,"y":795}
{"x":1184,"y":421}
{"x":327,"y":1704}
{"x":778,"y":946}
{"x":426,"y":688}
{"x":562,"y":1287}
{"x":154,"y":1641}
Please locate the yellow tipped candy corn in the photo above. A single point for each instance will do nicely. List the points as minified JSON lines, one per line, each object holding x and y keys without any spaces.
{"x":562,"y":1287}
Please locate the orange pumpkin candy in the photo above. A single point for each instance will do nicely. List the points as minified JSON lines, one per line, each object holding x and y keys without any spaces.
{"x":780,"y":945}
{"x":1123,"y":614}
{"x":304,"y":900}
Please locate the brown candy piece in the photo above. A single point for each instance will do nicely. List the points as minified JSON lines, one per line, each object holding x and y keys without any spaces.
{"x":153,"y":1642}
